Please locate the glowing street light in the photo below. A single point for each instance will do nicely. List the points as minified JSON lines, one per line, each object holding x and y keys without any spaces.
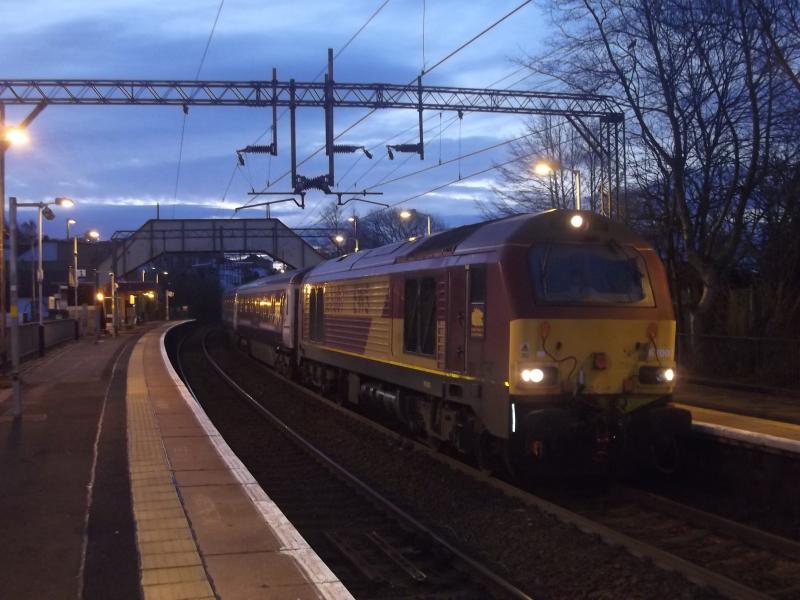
{"x":94,"y":234}
{"x":544,"y":168}
{"x":17,"y":136}
{"x":354,"y":221}
{"x":339,"y":238}
{"x":407,"y":214}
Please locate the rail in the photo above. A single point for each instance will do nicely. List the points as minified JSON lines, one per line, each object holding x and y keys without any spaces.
{"x":590,"y":524}
{"x":475,"y":567}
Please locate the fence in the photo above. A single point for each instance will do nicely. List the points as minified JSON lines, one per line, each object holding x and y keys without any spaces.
{"x":766,"y":361}
{"x":33,"y":340}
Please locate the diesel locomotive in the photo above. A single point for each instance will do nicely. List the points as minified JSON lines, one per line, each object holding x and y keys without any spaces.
{"x":535,"y":337}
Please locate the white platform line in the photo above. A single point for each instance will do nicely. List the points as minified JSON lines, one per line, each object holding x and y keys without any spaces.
{"x":748,"y":437}
{"x":292,"y":543}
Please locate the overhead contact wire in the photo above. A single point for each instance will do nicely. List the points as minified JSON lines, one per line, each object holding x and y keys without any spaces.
{"x":185,"y":110}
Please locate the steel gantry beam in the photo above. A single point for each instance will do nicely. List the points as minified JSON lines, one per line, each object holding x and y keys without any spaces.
{"x":604,"y":140}
{"x":118,"y":92}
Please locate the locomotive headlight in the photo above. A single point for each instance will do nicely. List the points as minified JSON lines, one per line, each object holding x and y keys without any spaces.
{"x":532,"y":375}
{"x":655,"y":375}
{"x":576,"y":221}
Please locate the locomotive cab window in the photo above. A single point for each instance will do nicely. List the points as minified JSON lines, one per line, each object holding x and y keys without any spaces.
{"x":590,"y":274}
{"x":477,"y":302}
{"x":419,"y":316}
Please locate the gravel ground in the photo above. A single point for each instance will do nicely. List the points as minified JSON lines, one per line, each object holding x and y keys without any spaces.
{"x":538,"y":553}
{"x":743,"y":484}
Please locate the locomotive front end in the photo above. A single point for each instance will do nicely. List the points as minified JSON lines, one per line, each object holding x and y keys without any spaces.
{"x":592,"y":355}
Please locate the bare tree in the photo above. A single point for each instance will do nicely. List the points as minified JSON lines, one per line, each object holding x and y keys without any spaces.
{"x":384,"y":226}
{"x":698,"y":85}
{"x":552,"y":140}
{"x":779,"y":23}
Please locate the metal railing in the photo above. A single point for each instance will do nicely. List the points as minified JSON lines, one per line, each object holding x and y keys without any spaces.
{"x":771,"y":362}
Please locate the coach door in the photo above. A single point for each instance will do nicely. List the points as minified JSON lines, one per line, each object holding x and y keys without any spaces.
{"x":457,"y":320}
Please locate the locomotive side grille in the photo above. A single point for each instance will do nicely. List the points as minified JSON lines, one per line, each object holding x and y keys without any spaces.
{"x":441,"y":323}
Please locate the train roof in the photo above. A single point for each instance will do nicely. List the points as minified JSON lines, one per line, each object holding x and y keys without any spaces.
{"x":485,"y":237}
{"x":476,"y":238}
{"x":276,"y":279}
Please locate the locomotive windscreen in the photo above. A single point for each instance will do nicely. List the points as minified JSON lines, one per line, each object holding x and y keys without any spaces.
{"x":605,"y":274}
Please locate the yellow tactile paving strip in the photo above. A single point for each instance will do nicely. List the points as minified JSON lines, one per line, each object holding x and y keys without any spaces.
{"x":171,"y":568}
{"x":205,"y":528}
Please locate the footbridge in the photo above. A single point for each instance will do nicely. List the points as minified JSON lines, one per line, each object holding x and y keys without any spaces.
{"x":132,"y":250}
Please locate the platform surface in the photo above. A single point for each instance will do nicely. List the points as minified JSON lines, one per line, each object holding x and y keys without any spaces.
{"x":114,"y":484}
{"x":56,"y":459}
{"x":771,"y":420}
{"x":204,"y":527}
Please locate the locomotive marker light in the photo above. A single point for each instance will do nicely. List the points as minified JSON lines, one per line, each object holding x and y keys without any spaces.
{"x":545,"y":167}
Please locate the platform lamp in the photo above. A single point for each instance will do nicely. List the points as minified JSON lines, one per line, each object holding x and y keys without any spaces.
{"x":44,"y":210}
{"x":71,"y":221}
{"x":354,"y":221}
{"x":547,"y":167}
{"x":407,"y":214}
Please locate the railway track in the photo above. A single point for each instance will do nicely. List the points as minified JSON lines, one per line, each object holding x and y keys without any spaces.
{"x":734,"y":560}
{"x":375,"y":548}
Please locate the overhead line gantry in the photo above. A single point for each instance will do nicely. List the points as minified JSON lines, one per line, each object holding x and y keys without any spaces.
{"x":607,"y":140}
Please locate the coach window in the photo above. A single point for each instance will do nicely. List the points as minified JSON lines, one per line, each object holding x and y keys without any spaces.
{"x":419,"y":322}
{"x":477,"y":302}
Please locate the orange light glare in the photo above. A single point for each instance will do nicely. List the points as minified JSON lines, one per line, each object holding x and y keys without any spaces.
{"x":542,"y":168}
{"x":17,"y":137}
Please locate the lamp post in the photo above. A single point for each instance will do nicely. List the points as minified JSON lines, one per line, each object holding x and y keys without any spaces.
{"x":44,"y":211}
{"x":9,"y":136}
{"x":354,"y":221}
{"x":339,"y":239}
{"x":543,"y":168}
{"x":407,"y":214}
{"x":71,"y":221}
{"x":43,"y":208}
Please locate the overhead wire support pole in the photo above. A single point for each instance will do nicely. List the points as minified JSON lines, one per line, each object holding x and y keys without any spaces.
{"x":329,"y":119}
{"x":292,"y":130}
{"x":419,"y":111}
{"x":274,"y":111}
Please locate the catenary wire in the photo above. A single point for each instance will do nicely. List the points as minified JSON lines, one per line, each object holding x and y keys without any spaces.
{"x":186,"y":112}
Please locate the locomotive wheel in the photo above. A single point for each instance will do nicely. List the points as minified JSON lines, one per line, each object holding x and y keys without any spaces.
{"x":666,"y":454}
{"x":485,"y":456}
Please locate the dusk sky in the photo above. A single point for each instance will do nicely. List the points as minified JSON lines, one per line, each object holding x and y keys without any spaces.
{"x":117,"y":162}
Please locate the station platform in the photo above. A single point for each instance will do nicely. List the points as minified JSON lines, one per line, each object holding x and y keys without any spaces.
{"x":755,"y":418}
{"x":114,"y":484}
